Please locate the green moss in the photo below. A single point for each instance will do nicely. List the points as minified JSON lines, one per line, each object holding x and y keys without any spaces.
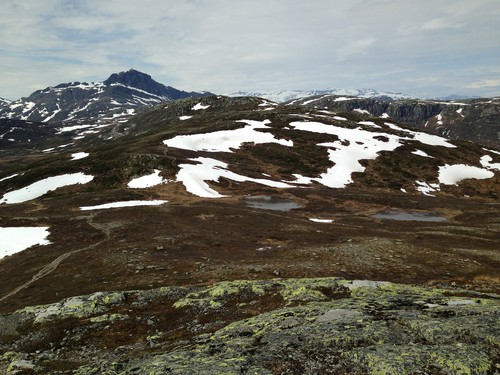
{"x":213,"y":297}
{"x":309,"y":289}
{"x":452,"y":359}
{"x":105,"y":318}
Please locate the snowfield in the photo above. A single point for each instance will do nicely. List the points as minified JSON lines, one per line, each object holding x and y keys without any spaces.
{"x":226,"y":140}
{"x":346,"y":154}
{"x":16,"y":239}
{"x":135,"y":203}
{"x":193,"y":176}
{"x":453,"y":174}
{"x":361,"y":145}
{"x":42,"y":187}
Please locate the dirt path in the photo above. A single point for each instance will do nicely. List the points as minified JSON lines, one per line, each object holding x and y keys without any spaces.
{"x":55,"y":263}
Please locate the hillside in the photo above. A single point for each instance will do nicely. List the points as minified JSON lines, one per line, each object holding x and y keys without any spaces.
{"x":476,"y":120}
{"x":236,"y":234}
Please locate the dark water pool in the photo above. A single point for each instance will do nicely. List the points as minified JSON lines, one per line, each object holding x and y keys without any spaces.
{"x":267,"y":202}
{"x":395,"y":214}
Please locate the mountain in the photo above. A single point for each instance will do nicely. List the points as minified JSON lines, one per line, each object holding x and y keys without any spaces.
{"x":237,"y":235}
{"x":280,"y":96}
{"x":476,"y":120}
{"x":116,"y":99}
{"x":4,"y":101}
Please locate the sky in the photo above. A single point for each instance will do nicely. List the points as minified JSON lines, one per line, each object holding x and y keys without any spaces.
{"x":426,"y":48}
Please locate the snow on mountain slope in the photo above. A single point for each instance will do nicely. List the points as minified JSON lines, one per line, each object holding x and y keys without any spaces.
{"x":356,"y":143}
{"x":4,"y":102}
{"x":115,"y":99}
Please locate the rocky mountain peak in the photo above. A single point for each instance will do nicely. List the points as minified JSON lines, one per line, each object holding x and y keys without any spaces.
{"x":119,"y":96}
{"x":132,"y":78}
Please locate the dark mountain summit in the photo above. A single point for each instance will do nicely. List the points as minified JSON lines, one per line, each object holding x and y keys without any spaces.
{"x":118,"y":97}
{"x":142,"y":81}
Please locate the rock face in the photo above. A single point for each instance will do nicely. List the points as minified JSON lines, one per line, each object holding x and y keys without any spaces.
{"x":117,"y":97}
{"x":279,"y":326}
{"x":476,"y":120}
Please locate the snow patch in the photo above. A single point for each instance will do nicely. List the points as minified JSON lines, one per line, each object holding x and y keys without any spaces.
{"x":199,"y":106}
{"x":193,"y":176}
{"x":226,"y":140}
{"x":147,"y":181}
{"x":428,"y":139}
{"x":421,"y":153}
{"x":486,"y":162}
{"x":79,"y":155}
{"x":453,"y":174}
{"x":426,"y":188}
{"x":9,"y":177}
{"x":353,"y":146}
{"x":74,"y":127}
{"x":133,"y":203}
{"x":42,"y":187}
{"x":16,"y":239}
{"x":363,"y":111}
{"x":325,"y":221}
{"x":185,"y":117}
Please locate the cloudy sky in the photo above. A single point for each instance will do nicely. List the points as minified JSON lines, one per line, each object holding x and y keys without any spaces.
{"x":420,"y":47}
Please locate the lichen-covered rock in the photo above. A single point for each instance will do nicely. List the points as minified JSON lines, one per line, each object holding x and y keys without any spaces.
{"x":75,"y":306}
{"x":314,"y":326}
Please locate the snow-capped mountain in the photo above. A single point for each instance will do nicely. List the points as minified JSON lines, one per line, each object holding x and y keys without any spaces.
{"x":4,"y":101}
{"x":118,"y":97}
{"x":281,"y":96}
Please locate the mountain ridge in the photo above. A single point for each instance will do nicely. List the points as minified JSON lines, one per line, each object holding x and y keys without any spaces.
{"x":117,"y":97}
{"x":281,"y":96}
{"x":476,"y":120}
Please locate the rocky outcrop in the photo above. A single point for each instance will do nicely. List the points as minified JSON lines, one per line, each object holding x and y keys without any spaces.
{"x":476,"y":120}
{"x":280,"y":326}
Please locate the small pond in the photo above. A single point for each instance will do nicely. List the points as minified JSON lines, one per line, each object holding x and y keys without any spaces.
{"x":395,"y":214}
{"x":267,"y":202}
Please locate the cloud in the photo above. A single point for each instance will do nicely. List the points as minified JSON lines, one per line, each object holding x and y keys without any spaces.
{"x":441,"y":24}
{"x":224,"y":46}
{"x":358,"y":47}
{"x":484,"y":84}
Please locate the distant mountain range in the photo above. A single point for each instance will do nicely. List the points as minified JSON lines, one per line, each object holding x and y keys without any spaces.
{"x":83,"y":108}
{"x":281,"y":96}
{"x":118,"y":97}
